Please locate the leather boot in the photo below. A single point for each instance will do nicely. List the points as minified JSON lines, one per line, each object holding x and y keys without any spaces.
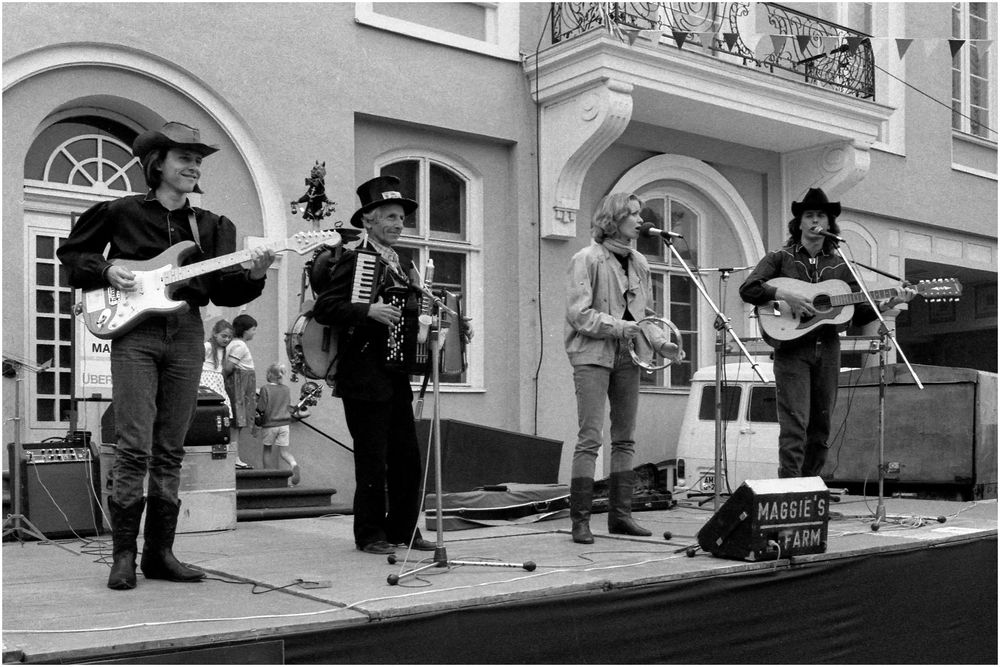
{"x":581,"y":497}
{"x":124,"y":530}
{"x":620,"y":505}
{"x":158,"y":560}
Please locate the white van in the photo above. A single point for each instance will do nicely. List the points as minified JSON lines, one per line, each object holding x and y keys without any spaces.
{"x":749,"y":430}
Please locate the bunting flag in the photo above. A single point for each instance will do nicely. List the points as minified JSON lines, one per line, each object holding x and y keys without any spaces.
{"x":853,"y":43}
{"x":714,"y":40}
{"x":902,"y":45}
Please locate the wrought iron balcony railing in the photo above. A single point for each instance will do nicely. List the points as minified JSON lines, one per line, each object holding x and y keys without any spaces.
{"x":822,"y":53}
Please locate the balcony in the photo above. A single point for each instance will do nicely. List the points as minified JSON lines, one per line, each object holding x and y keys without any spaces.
{"x":817,"y":51}
{"x":743,"y":75}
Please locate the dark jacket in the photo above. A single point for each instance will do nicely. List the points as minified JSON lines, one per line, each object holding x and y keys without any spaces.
{"x":139,"y":227}
{"x":362,"y":343}
{"x":793,"y":261}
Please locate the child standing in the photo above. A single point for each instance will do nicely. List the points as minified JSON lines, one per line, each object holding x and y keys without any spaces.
{"x":274,"y":409}
{"x":215,"y":355}
{"x":241,"y":380}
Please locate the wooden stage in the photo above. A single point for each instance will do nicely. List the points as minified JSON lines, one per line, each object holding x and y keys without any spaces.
{"x":298,"y":591}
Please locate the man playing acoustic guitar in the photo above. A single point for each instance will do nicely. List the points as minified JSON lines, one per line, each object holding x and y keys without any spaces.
{"x":806,"y":368}
{"x":156,"y":364}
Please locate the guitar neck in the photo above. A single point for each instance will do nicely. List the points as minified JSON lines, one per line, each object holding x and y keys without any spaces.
{"x":207,"y":266}
{"x":859,"y":297}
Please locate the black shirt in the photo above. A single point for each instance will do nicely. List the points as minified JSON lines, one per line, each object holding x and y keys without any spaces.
{"x":139,"y":227}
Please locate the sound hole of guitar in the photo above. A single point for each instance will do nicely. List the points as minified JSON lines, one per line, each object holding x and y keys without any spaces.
{"x":822,"y":303}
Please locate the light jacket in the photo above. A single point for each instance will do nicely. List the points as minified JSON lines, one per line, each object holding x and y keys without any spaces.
{"x":597,"y":295}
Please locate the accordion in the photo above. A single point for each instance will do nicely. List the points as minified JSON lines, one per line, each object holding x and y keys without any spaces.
{"x":403,"y":351}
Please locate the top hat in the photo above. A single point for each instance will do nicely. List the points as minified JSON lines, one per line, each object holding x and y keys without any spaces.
{"x":380,"y":191}
{"x":171,"y":135}
{"x":815,"y":200}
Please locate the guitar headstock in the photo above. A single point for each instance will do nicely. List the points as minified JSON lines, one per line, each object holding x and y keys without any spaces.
{"x":303,"y":242}
{"x":939,"y":289}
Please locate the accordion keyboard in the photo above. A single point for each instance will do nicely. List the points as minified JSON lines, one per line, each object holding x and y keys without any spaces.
{"x":365,"y":279}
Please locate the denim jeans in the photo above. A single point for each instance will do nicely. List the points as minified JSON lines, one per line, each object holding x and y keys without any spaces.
{"x":805,"y":379}
{"x":155,"y":370}
{"x":621,"y":387}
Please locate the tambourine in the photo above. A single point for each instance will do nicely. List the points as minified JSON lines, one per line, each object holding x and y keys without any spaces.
{"x":668,"y":327}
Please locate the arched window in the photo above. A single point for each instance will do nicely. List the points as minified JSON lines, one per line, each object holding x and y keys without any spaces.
{"x":675,"y":297}
{"x":445,"y":228}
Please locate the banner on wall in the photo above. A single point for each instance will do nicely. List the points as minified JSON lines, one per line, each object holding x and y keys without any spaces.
{"x":93,"y":364}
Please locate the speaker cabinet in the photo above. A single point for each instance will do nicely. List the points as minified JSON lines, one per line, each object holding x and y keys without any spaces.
{"x":770,"y":519}
{"x":209,"y":424}
{"x":60,"y":488}
{"x":473,"y":456}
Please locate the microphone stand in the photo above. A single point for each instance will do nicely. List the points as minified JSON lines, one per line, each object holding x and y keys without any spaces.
{"x":723,"y":326}
{"x":435,"y":336}
{"x":885,"y":335}
{"x":16,"y":523}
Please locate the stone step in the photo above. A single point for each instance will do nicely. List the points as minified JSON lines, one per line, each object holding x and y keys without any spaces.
{"x":295,"y":496}
{"x":262,"y":478}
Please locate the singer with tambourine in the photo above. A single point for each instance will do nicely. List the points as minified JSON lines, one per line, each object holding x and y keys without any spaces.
{"x":608,"y":332}
{"x":806,"y":367}
{"x":373,"y":304}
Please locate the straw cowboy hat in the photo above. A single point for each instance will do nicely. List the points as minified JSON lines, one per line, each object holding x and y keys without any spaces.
{"x":171,"y":135}
{"x":380,"y":191}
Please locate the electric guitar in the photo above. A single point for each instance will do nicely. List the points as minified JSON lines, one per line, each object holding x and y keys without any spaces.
{"x":110,"y":312}
{"x":833,"y":302}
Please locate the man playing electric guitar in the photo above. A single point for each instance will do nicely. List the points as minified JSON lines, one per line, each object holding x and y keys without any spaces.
{"x":806,"y":368}
{"x":156,"y":365}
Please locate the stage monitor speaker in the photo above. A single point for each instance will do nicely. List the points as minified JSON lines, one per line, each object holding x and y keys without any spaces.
{"x":60,"y":487}
{"x":473,"y":456}
{"x":770,"y":519}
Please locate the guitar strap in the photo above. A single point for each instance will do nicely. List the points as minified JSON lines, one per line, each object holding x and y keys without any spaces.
{"x":194,"y":228}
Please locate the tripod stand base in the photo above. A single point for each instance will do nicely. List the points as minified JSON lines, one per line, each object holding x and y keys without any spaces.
{"x":441,"y":560}
{"x":20,"y":524}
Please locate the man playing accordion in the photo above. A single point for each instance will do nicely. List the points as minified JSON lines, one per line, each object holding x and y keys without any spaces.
{"x":376,"y":394}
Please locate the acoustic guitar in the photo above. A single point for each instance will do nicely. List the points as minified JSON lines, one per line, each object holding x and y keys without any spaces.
{"x":833,"y":302}
{"x":110,"y":312}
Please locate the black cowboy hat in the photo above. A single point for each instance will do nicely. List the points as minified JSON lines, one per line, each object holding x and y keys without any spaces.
{"x":816,"y":200}
{"x":171,"y":135}
{"x":380,"y":191}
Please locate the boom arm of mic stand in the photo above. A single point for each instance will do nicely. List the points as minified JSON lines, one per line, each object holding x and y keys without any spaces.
{"x":885,"y":327}
{"x":722,"y":324}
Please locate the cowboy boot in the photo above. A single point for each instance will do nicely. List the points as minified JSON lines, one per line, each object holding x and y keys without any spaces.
{"x":158,"y":560}
{"x":620,"y":505}
{"x":581,"y":497}
{"x":124,"y":530}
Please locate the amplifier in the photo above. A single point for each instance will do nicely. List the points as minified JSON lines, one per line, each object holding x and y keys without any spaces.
{"x":769,"y":519}
{"x":60,"y":487}
{"x":209,"y":426}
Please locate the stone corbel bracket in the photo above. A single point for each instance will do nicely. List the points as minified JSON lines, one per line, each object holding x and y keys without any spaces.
{"x":836,"y":168}
{"x":574,"y":132}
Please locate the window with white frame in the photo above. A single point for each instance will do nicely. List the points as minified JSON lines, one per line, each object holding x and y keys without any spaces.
{"x":490,"y":28}
{"x":443,"y":229}
{"x":674,"y":295}
{"x":971,"y":97}
{"x":79,"y":161}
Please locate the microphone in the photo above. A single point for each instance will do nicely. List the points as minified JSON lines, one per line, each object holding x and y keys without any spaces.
{"x":425,"y":319}
{"x":649,"y":230}
{"x":816,"y":229}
